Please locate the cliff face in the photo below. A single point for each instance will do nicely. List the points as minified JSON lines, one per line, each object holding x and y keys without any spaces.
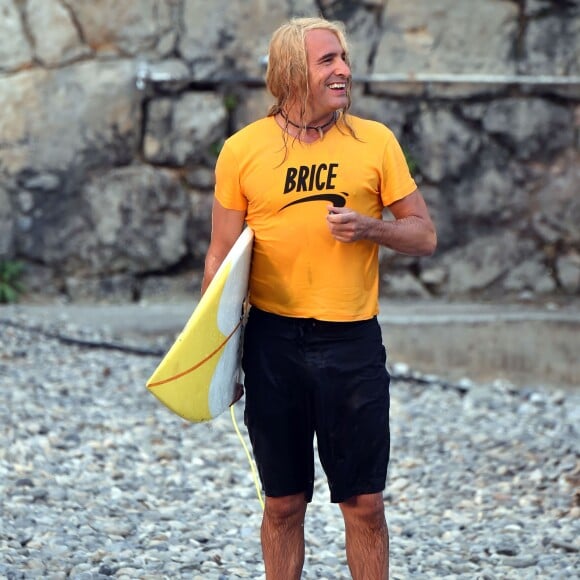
{"x":113,"y":113}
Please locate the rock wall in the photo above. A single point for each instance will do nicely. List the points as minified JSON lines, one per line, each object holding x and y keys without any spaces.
{"x":113,"y":114}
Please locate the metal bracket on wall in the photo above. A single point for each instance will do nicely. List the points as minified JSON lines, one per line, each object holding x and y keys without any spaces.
{"x":148,"y":74}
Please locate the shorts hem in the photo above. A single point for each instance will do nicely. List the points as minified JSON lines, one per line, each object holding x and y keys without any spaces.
{"x":274,"y":494}
{"x":342,"y":497}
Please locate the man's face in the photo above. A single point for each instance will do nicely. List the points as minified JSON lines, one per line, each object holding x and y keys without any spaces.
{"x":328,"y":72}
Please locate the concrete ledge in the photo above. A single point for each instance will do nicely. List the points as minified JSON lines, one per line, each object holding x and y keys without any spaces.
{"x":526,"y":345}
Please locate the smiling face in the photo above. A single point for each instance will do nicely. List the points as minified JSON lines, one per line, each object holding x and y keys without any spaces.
{"x":329,"y":74}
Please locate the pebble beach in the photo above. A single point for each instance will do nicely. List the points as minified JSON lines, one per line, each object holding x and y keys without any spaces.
{"x":98,"y":480}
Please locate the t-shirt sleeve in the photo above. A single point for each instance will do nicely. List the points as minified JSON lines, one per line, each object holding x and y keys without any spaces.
{"x":397,"y":182}
{"x":227,"y":181}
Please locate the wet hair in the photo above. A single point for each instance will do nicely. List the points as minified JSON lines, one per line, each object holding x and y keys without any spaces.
{"x":287,"y":72}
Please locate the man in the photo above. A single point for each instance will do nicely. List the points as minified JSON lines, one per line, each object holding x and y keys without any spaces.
{"x":312,"y":180}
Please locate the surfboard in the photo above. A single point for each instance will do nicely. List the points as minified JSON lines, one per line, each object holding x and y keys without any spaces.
{"x":197,"y":377}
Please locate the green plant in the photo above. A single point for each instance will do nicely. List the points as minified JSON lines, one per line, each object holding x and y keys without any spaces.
{"x":10,"y":286}
{"x":411,"y":161}
{"x":230,"y":102}
{"x":216,"y":147}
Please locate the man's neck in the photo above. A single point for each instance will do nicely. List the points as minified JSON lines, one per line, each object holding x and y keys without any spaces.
{"x":309,"y":130}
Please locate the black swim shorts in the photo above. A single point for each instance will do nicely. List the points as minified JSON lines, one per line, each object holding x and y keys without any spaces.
{"x":304,"y":377}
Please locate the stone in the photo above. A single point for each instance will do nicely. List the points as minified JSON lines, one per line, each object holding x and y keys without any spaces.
{"x":66,"y":121}
{"x":232,"y":37}
{"x":15,"y":50}
{"x":182,"y":131}
{"x":57,"y":40}
{"x":433,"y":277}
{"x":530,"y":127}
{"x":125,"y":236}
{"x":491,"y":193}
{"x":444,"y":37}
{"x":445,"y":145}
{"x":531,"y":275}
{"x":568,"y":272}
{"x":551,"y":42}
{"x":480,"y":263}
{"x":520,"y":561}
{"x":390,"y":112}
{"x":137,"y":27}
{"x":201,"y":178}
{"x":111,"y":289}
{"x":403,"y":285}
{"x":557,"y":209}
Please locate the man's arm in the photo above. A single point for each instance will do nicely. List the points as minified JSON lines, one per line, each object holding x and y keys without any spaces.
{"x":411,"y":232}
{"x":226,"y":226}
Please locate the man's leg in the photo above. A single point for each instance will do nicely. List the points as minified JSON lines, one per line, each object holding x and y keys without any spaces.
{"x":367,"y":537}
{"x":283,"y":537}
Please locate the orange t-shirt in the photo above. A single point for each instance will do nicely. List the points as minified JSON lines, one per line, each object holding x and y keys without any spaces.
{"x":298,"y":268}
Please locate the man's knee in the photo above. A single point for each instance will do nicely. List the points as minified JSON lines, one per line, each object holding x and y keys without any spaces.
{"x":285,"y":508}
{"x":368,"y":508}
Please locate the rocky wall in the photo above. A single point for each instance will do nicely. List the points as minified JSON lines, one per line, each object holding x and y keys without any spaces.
{"x":112,"y":114}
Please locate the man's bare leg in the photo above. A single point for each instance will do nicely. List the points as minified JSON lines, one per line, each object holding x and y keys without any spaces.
{"x":283,"y":537}
{"x":367,"y":537}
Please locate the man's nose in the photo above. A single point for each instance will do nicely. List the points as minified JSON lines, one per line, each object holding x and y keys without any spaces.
{"x":343,"y":69}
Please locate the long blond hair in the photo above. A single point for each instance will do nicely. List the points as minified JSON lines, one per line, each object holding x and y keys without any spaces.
{"x":287,"y":72}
